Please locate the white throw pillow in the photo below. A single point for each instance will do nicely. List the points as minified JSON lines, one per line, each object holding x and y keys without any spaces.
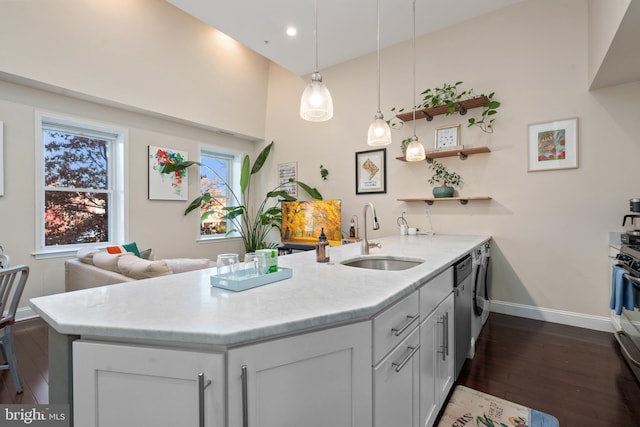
{"x":138,"y":268}
{"x":180,"y":265}
{"x":108,"y":261}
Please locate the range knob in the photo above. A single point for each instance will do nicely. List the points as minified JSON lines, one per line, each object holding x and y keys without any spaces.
{"x":635,"y":265}
{"x":623,"y":257}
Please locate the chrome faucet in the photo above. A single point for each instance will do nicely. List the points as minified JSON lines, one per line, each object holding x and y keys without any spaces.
{"x":365,"y":245}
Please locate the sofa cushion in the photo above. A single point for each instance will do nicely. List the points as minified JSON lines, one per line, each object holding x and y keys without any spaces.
{"x":146,"y":254}
{"x":108,"y":261}
{"x":138,"y":268}
{"x":127,"y":247}
{"x":86,"y":254}
{"x":180,"y":265}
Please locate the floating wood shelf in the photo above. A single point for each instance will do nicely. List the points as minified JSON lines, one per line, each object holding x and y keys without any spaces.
{"x":430,"y":200}
{"x":450,"y":153}
{"x":442,"y":109}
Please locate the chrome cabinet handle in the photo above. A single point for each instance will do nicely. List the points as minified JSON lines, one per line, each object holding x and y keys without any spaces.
{"x":446,"y":331}
{"x":443,"y":347}
{"x":400,"y":329}
{"x":619,"y":335}
{"x":202,"y":385}
{"x":400,"y":365}
{"x":245,"y":400}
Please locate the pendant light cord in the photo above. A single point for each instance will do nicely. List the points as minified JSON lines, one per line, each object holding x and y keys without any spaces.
{"x":414,"y":67}
{"x":315,"y":30}
{"x":378,"y":40}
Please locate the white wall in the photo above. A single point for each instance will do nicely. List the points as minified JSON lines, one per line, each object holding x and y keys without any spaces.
{"x":550,"y":228}
{"x":143,"y":54}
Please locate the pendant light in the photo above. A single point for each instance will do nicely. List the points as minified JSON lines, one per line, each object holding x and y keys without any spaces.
{"x":415,"y":150}
{"x":379,"y":131}
{"x":316,"y":104}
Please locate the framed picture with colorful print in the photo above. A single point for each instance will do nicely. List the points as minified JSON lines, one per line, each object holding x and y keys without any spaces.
{"x":170,"y":186}
{"x":553,"y":145}
{"x":371,"y":171}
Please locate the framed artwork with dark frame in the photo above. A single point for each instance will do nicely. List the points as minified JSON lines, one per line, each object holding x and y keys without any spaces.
{"x":371,"y":171}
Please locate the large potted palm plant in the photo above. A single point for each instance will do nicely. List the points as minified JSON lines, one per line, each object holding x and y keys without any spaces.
{"x":251,"y":223}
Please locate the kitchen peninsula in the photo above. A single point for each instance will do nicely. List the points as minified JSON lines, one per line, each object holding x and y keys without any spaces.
{"x":175,"y":351}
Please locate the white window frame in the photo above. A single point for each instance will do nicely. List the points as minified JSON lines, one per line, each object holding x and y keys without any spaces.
{"x":118,"y":217}
{"x":234,"y":172}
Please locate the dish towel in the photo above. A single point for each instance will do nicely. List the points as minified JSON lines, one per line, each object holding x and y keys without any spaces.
{"x":622,"y":291}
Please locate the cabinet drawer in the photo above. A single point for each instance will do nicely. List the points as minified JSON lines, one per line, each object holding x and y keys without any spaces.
{"x":435,"y":291}
{"x":396,"y":384}
{"x":394,"y":324}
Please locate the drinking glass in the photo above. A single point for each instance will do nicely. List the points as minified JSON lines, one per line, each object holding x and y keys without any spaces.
{"x":258,"y":261}
{"x":227,"y":263}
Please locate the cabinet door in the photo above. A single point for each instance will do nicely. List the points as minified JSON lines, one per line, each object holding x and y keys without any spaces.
{"x":120,"y":386}
{"x":436,"y":360}
{"x":445,"y":366}
{"x":396,"y":382}
{"x":316,"y":379}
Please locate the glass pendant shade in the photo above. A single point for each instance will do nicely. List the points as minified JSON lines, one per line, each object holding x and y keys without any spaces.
{"x":379,"y":132}
{"x":415,"y":150}
{"x":316,"y":104}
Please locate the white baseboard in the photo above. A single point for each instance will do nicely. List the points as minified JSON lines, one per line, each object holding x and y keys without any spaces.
{"x":598,"y":323}
{"x":25,"y":313}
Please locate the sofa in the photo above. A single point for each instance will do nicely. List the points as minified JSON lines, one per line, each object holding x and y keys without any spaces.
{"x":93,"y":268}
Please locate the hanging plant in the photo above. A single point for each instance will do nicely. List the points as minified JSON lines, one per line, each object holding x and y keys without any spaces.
{"x":453,"y":98}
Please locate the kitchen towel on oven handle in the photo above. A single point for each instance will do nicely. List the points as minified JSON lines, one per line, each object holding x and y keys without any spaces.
{"x":622,"y":291}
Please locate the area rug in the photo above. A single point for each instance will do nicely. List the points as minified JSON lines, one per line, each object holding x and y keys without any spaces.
{"x":468,"y":407}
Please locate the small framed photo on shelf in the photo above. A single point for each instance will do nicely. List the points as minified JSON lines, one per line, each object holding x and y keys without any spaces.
{"x":553,"y":145}
{"x":448,"y":137}
{"x":371,"y":171}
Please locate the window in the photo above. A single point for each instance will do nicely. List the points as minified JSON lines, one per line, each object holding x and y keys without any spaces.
{"x":81,"y":181}
{"x":218,"y":169}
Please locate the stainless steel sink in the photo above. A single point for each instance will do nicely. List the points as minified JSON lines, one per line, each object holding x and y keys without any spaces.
{"x":383,"y":262}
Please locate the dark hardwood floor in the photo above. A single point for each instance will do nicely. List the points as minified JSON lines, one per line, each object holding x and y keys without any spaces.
{"x":575,"y":374}
{"x":31,"y":344}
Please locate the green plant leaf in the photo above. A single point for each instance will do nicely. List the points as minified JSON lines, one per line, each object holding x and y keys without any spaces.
{"x":172,"y":167}
{"x":244,"y":174}
{"x":313,"y":192}
{"x":262,"y":157}
{"x":196,"y":203}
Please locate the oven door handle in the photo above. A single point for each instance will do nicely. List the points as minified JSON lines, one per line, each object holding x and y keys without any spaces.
{"x":634,"y":280}
{"x":619,"y":336}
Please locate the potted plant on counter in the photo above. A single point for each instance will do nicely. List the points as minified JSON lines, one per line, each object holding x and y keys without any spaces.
{"x":252,"y":223}
{"x":447,"y":180}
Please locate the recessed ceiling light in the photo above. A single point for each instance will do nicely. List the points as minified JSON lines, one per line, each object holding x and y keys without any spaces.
{"x":291,"y":31}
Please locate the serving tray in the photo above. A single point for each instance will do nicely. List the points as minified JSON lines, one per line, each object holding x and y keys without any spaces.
{"x":245,"y":279}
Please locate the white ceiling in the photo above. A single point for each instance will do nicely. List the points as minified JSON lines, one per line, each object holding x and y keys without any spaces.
{"x":346,"y":28}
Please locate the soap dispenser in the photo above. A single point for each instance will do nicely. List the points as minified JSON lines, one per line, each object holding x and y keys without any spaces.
{"x":322,"y":248}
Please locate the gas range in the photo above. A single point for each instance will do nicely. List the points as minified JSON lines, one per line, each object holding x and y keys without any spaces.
{"x":629,"y":259}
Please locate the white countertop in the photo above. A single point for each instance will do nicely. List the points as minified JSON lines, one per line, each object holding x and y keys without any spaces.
{"x":185,"y":308}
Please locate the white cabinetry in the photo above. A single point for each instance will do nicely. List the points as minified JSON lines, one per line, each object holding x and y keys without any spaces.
{"x":396,"y":385}
{"x":316,"y":379}
{"x":157,"y":386}
{"x":415,"y":373}
{"x":436,"y":360}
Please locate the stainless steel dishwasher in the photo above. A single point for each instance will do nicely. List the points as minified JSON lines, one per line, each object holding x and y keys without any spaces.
{"x":463,"y":304}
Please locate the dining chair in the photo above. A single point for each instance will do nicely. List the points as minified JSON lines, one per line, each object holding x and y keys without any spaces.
{"x":12,"y":282}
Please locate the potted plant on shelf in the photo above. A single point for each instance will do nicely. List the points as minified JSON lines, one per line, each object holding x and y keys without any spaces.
{"x":453,"y":99}
{"x":251,"y":223}
{"x":448,"y":180}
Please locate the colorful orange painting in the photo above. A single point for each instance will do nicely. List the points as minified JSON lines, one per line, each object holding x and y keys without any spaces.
{"x":302,"y":222}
